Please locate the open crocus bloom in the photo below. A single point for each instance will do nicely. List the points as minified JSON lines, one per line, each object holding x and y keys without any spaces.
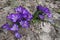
{"x":17,"y":35}
{"x":14,"y":17}
{"x":14,"y":28}
{"x":6,"y":26}
{"x":24,"y":24}
{"x":45,"y":10}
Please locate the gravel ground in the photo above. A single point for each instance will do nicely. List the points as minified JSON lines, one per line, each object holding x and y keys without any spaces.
{"x":49,"y":30}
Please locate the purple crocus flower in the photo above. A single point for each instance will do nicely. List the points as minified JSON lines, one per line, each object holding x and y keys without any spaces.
{"x":19,"y":9}
{"x":17,"y":35}
{"x":25,"y":13}
{"x":24,"y":24}
{"x":44,"y":10}
{"x":14,"y":17}
{"x":47,"y":12}
{"x":28,"y":16}
{"x":14,"y":28}
{"x":6,"y":26}
{"x":39,"y":7}
{"x":41,"y":17}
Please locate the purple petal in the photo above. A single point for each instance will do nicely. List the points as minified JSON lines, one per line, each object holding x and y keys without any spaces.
{"x":17,"y":35}
{"x":14,"y":28}
{"x":39,"y":7}
{"x":25,"y":11}
{"x":25,"y":16}
{"x":6,"y":26}
{"x":49,"y":15}
{"x":41,"y":17}
{"x":29,"y":17}
{"x":46,"y":10}
{"x":24,"y":24}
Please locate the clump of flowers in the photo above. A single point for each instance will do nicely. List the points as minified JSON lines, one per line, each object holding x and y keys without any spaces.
{"x":22,"y":17}
{"x":40,"y":13}
{"x":45,"y":11}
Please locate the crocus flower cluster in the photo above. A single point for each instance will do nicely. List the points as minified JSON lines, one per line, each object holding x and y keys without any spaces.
{"x":22,"y":17}
{"x":45,"y":11}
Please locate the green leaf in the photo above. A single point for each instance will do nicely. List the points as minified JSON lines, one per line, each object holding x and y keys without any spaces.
{"x":35,"y":16}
